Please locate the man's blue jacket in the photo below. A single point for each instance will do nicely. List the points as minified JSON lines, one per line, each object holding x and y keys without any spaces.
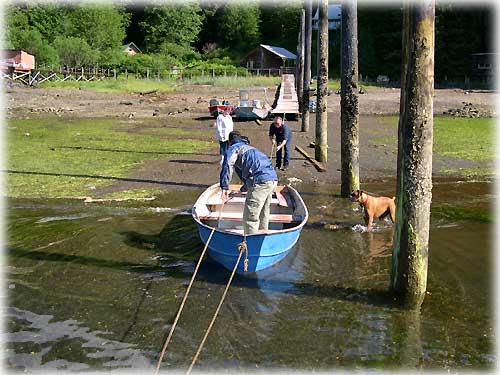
{"x":251,"y":165}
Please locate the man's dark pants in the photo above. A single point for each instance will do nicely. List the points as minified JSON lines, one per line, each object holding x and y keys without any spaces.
{"x":286,"y":159}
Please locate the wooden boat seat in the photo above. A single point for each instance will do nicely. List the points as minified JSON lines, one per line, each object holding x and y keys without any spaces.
{"x":280,"y":199}
{"x":238,"y":216}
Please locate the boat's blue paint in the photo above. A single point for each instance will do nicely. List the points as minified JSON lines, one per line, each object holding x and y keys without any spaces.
{"x":264,"y":250}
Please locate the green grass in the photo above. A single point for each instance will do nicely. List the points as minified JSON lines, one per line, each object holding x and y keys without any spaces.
{"x":56,"y":158}
{"x":456,"y":137}
{"x":465,"y":138}
{"x":462,"y":213}
{"x":231,"y":81}
{"x":142,"y":85}
{"x":114,"y":86}
{"x":166,"y":132}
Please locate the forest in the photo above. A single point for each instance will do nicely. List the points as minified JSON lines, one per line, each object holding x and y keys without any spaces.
{"x":214,"y":34}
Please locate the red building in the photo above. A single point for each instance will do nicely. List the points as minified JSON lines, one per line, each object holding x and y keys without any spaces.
{"x":16,"y":59}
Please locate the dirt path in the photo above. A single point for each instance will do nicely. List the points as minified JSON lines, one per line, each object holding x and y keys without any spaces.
{"x":188,"y":108}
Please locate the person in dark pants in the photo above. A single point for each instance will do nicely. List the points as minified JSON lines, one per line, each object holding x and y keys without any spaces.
{"x":259,"y":181}
{"x":280,"y":134}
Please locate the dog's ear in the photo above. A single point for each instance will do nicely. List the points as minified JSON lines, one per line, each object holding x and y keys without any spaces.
{"x":360,"y":192}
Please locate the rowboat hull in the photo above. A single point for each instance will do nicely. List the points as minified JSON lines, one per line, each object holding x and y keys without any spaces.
{"x":264,"y":249}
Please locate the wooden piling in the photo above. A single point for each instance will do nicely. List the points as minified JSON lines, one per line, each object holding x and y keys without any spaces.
{"x":415,"y":134}
{"x":349,"y":106}
{"x":307,"y":65}
{"x":321,"y":149}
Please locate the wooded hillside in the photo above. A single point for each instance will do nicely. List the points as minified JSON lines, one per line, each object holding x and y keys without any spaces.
{"x":221,"y":33}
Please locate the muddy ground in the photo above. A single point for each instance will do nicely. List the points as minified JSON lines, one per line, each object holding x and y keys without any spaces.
{"x":187,"y":108}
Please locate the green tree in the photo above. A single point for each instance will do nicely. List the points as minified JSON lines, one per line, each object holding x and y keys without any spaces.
{"x":31,"y":41}
{"x":379,"y":41}
{"x":181,"y":53}
{"x":16,"y":20}
{"x":460,"y":31}
{"x":238,"y":26}
{"x":73,"y":51}
{"x":280,"y":23}
{"x":103,"y":29}
{"x":101,"y":26}
{"x":51,"y":20}
{"x":178,"y":24}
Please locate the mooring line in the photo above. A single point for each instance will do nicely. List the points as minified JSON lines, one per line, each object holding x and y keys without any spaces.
{"x":215,"y":314}
{"x":187,"y":292}
{"x":182,"y":304}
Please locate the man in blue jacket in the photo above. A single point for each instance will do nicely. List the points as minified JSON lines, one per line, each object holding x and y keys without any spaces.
{"x":259,"y":178}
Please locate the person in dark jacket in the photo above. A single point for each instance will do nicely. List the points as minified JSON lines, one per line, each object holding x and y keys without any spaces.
{"x":280,"y":134}
{"x":259,"y":178}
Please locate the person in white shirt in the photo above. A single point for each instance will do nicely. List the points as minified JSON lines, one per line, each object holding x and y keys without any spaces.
{"x":223,"y":126}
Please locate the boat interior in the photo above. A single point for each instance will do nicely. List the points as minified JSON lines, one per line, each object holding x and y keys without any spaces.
{"x":287,"y":210}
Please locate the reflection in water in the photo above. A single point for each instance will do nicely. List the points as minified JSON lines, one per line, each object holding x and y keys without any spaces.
{"x":100,"y":288}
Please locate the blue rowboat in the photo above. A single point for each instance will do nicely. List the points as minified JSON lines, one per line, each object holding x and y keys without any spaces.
{"x":266,"y":248}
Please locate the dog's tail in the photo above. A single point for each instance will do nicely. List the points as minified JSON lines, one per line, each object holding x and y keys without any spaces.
{"x":394,"y":199}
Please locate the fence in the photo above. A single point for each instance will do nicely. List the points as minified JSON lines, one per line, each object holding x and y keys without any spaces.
{"x":44,"y":73}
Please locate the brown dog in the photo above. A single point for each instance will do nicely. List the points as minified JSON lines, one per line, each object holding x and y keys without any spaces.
{"x":375,"y":207}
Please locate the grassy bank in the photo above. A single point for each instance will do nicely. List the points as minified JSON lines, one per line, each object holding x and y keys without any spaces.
{"x":67,"y":158}
{"x":460,"y":138}
{"x":142,"y":85}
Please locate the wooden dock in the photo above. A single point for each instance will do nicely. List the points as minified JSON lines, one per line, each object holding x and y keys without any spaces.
{"x":288,"y":101}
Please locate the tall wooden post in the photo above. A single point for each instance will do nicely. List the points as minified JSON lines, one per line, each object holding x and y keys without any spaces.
{"x":411,"y":235}
{"x":299,"y":78}
{"x":307,"y":65}
{"x":349,"y":106}
{"x":321,"y":148}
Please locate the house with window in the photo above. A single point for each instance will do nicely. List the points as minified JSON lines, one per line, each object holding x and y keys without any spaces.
{"x":131,"y":49}
{"x":483,"y":67}
{"x":272,"y":58}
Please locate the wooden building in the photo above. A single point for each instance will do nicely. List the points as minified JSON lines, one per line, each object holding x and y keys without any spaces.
{"x":268,"y":57}
{"x":16,"y":59}
{"x":483,"y":68}
{"x":131,"y":49}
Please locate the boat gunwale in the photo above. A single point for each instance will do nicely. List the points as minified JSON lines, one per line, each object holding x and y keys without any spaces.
{"x":277,"y":232}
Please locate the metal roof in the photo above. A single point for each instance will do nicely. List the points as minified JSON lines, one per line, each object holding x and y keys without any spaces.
{"x":131,"y":44}
{"x":281,"y":52}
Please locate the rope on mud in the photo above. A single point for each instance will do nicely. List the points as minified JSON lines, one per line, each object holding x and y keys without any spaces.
{"x":217,"y":310}
{"x":186,"y":294}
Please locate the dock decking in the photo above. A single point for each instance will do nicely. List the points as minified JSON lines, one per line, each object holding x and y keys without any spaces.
{"x":288,"y":100}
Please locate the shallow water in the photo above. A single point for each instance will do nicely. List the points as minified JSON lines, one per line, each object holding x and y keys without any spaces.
{"x":96,"y":287}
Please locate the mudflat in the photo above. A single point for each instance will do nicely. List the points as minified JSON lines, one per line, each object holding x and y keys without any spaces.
{"x":187,"y":108}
